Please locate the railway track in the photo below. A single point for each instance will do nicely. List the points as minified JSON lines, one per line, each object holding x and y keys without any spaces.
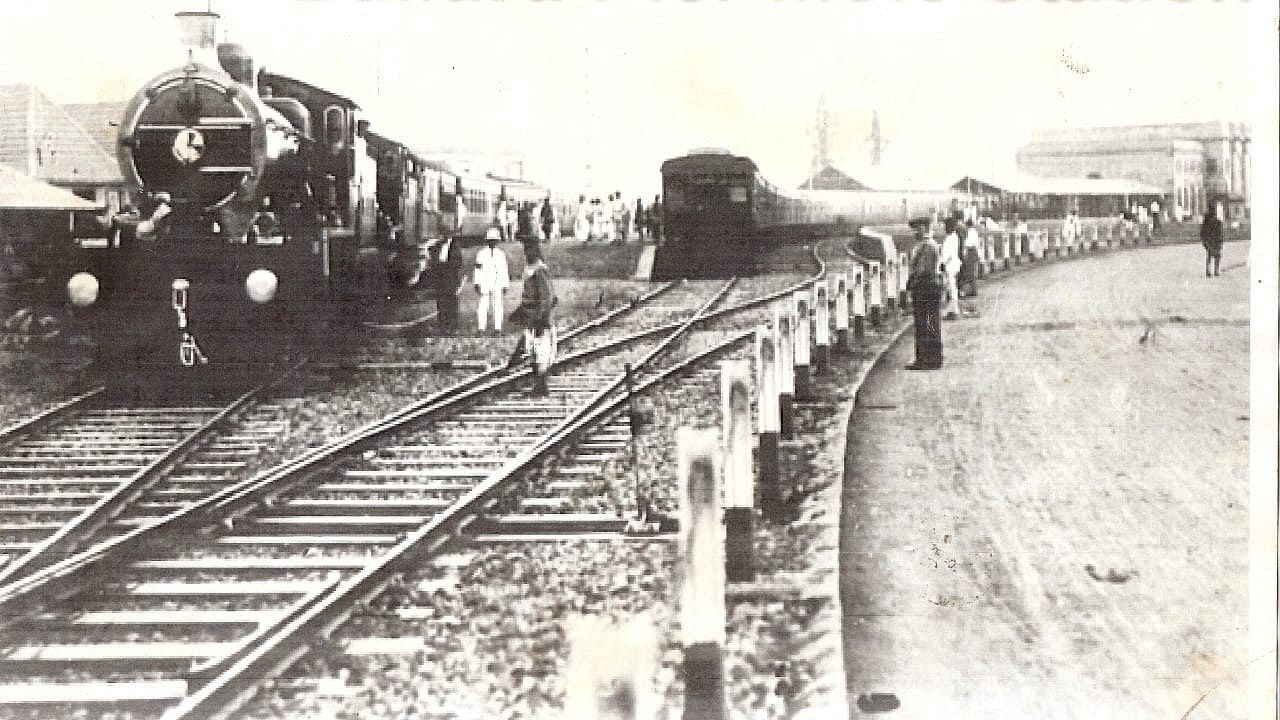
{"x":207,"y":600}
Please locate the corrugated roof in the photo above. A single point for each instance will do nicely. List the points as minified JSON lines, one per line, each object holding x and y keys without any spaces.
{"x":829,"y":178}
{"x":20,"y":192}
{"x":101,"y":120}
{"x":1036,"y":185}
{"x":42,"y":140}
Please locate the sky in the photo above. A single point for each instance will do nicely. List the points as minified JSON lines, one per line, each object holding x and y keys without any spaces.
{"x":597,"y":94}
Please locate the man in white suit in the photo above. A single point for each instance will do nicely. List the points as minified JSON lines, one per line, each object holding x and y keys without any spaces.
{"x":491,"y":281}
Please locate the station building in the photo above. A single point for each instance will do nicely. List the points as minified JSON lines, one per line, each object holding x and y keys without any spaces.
{"x":1194,"y":164}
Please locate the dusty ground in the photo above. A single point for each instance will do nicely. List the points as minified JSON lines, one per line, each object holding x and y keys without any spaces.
{"x":1055,"y":525}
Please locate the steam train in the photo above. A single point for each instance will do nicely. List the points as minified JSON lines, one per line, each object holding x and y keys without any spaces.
{"x":720,"y":213}
{"x":271,"y":213}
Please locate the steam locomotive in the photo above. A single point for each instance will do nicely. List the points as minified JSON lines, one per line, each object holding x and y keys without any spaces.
{"x":271,"y":214}
{"x":720,"y":213}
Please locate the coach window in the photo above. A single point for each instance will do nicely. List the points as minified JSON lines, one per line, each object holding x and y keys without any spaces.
{"x":737,"y":193}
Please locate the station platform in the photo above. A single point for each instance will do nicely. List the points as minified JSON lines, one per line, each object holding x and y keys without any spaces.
{"x":1055,"y":524}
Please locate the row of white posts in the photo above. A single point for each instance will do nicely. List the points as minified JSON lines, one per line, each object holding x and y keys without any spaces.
{"x":1005,"y":249}
{"x":709,"y":559}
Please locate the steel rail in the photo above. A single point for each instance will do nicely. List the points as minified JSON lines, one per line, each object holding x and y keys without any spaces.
{"x":50,"y":415}
{"x":223,"y":696}
{"x":74,"y":572}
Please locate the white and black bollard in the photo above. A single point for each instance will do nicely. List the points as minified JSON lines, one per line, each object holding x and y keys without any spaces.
{"x":702,"y":612}
{"x":889,"y":285}
{"x":841,"y":296}
{"x":609,"y":673}
{"x":785,"y":385}
{"x":768,"y":408}
{"x":874,"y":303}
{"x":858,"y":303}
{"x":739,"y":490}
{"x":803,"y":340}
{"x":821,"y":326}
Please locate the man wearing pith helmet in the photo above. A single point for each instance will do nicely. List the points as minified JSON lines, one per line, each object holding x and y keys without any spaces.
{"x":491,"y":281}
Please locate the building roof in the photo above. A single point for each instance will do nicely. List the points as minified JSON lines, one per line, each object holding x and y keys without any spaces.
{"x":19,"y":192}
{"x":829,"y":178}
{"x":101,"y":120}
{"x":42,"y":140}
{"x":1036,"y":185}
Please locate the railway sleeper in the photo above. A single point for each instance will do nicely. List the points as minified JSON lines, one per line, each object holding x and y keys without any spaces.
{"x":307,"y":506}
{"x":76,"y":695}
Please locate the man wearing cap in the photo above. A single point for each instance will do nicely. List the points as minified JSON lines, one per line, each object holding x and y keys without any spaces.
{"x":491,"y":280}
{"x":534,"y":315}
{"x":926,"y":286}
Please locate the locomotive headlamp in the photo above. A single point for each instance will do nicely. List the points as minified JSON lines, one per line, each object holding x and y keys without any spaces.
{"x":261,"y":285}
{"x":82,"y":288}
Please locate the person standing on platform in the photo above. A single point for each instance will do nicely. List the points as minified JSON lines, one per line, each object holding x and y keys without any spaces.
{"x":969,"y":263}
{"x":951,"y":264}
{"x":500,"y":218}
{"x":510,"y":220}
{"x":582,"y":220}
{"x":446,"y":276}
{"x":534,"y":315}
{"x":1155,"y":215}
{"x":926,"y":284}
{"x":491,"y":281}
{"x":639,"y":220}
{"x":1211,"y":239}
{"x":1070,"y":228}
{"x":624,"y":222}
{"x":548,"y":218}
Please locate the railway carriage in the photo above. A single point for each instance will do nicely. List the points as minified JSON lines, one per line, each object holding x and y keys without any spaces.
{"x":720,"y":213}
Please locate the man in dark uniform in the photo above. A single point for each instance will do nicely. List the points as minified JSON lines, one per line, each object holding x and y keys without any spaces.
{"x":548,"y":218}
{"x":534,"y":315}
{"x":925,"y":284}
{"x":1211,"y":239}
{"x":446,"y":274}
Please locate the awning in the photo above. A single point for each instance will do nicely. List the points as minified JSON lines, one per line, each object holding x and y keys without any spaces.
{"x":20,"y":192}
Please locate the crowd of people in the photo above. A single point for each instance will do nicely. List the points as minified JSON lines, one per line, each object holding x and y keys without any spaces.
{"x":613,"y":219}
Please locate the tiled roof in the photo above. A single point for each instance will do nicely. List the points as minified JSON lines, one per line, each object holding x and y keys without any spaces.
{"x":829,"y":178}
{"x":40,"y":139}
{"x":101,"y":120}
{"x":19,"y":192}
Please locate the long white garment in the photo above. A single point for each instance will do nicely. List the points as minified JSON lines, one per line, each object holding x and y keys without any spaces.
{"x":491,"y":278}
{"x":951,"y":261}
{"x":582,"y":223}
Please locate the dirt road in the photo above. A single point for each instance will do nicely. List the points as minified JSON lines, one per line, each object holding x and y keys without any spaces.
{"x":1055,"y":524}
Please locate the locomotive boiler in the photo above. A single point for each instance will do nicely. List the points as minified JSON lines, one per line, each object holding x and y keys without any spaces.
{"x":270,"y":218}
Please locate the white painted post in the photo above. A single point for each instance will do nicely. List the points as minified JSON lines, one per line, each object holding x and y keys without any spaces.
{"x":873,"y":294}
{"x":702,"y":588}
{"x":609,"y":674}
{"x":803,"y":340}
{"x":785,"y":323}
{"x":858,"y":303}
{"x":841,"y":295}
{"x":822,"y":325}
{"x":739,"y":490}
{"x":768,"y":407}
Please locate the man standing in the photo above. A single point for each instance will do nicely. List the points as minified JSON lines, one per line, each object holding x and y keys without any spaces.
{"x":491,"y":281}
{"x":1070,"y":229}
{"x":1155,"y":215}
{"x":925,"y":284}
{"x":1211,"y":239}
{"x":500,"y":218}
{"x":534,"y":314}
{"x":548,"y":218}
{"x":639,"y":220}
{"x":951,"y":265}
{"x":969,"y":263}
{"x":446,"y":269}
{"x":655,"y":219}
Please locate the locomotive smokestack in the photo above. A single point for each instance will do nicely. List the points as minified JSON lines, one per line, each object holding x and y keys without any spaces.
{"x":197,"y":32}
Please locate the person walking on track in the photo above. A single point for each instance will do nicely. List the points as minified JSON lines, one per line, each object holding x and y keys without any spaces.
{"x":534,"y":315}
{"x":1211,"y":239}
{"x":926,"y":284}
{"x":491,"y":281}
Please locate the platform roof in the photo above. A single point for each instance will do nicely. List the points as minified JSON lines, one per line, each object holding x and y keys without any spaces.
{"x":1036,"y":185}
{"x":20,"y":192}
{"x":41,"y":138}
